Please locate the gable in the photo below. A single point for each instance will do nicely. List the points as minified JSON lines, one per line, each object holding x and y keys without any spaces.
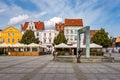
{"x":11,"y":29}
{"x":38,"y":25}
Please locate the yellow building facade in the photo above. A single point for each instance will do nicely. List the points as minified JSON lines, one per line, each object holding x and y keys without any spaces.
{"x":10,"y":35}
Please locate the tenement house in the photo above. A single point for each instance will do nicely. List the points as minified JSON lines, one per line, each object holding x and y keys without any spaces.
{"x":37,"y":27}
{"x":47,"y":38}
{"x":69,"y":28}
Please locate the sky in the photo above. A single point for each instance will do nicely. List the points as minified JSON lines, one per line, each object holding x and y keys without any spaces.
{"x":95,"y":13}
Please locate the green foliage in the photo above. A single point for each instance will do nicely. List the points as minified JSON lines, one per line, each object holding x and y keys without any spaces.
{"x":93,"y":53}
{"x":29,"y":37}
{"x":101,"y":38}
{"x":99,"y":53}
{"x":61,"y":52}
{"x":60,"y":38}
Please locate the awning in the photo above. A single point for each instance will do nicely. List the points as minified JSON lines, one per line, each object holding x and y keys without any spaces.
{"x":92,"y":45}
{"x":62,"y":45}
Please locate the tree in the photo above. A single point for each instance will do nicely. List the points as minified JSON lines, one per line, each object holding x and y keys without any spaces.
{"x":101,"y":38}
{"x":60,"y":38}
{"x":29,"y":37}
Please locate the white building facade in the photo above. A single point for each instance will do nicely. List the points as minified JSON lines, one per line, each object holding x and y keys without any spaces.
{"x":70,"y":33}
{"x":36,"y":27}
{"x":47,"y":38}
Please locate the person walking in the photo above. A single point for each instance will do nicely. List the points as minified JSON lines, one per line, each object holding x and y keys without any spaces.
{"x":79,"y":55}
{"x":55,"y":55}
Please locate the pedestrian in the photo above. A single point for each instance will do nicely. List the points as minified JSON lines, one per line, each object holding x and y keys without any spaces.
{"x":55,"y":55}
{"x":53,"y":51}
{"x":79,"y":55}
{"x":110,"y":52}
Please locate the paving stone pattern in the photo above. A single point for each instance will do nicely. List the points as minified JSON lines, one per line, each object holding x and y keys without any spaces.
{"x":43,"y":68}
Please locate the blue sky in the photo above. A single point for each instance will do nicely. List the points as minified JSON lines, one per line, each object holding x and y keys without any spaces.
{"x":95,"y":13}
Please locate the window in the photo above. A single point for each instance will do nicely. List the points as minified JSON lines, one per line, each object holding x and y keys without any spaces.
{"x":8,"y":39}
{"x":2,"y":39}
{"x":49,"y":40}
{"x":55,"y":34}
{"x":13,"y":40}
{"x":44,"y":34}
{"x":29,"y":27}
{"x":66,"y":31}
{"x":37,"y":33}
{"x":71,"y":31}
{"x":32,"y":27}
{"x":75,"y":37}
{"x":71,"y":38}
{"x":8,"y":34}
{"x":44,"y":40}
{"x":13,"y":34}
{"x":75,"y":31}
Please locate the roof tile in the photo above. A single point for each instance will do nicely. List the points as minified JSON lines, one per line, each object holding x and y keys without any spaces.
{"x":38,"y":25}
{"x":73,"y":22}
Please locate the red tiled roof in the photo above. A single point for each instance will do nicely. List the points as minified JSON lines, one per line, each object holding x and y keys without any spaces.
{"x":59,"y":24}
{"x":73,"y":22}
{"x":93,"y":32}
{"x":38,"y":25}
{"x":25,"y":26}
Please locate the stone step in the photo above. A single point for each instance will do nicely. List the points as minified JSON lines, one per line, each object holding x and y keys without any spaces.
{"x":83,"y":59}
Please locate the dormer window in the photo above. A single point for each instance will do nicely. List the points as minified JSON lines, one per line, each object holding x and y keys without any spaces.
{"x":29,"y":27}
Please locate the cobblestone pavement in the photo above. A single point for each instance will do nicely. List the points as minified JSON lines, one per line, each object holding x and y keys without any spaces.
{"x":43,"y":68}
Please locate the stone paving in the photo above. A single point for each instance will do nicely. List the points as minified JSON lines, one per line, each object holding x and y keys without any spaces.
{"x":43,"y":68}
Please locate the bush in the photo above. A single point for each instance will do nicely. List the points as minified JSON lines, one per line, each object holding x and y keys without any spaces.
{"x":58,"y":52}
{"x":62,"y":52}
{"x":99,"y":53}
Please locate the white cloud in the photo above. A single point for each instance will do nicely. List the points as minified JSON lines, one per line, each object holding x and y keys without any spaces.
{"x":63,"y":9}
{"x":93,"y":12}
{"x":2,"y":10}
{"x":40,"y":14}
{"x":51,"y":23}
{"x":18,"y":19}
